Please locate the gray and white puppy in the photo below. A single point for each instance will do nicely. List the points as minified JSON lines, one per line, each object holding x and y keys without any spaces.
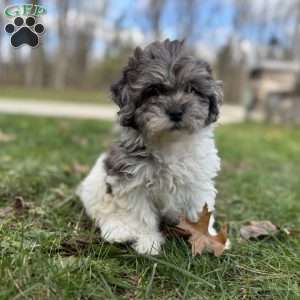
{"x":165,"y":162}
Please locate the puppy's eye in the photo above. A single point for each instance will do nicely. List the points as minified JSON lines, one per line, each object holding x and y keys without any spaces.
{"x":153,"y":91}
{"x":194,"y":91}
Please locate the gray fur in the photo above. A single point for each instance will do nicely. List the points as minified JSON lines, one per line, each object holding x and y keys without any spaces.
{"x":159,"y":84}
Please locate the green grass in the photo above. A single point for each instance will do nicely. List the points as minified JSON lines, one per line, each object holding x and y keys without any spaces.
{"x":52,"y":251}
{"x":70,"y":95}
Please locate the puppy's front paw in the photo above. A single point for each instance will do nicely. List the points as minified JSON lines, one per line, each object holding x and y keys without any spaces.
{"x":149,"y":244}
{"x":116,"y":232}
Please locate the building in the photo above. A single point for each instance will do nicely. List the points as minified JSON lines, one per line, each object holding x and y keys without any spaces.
{"x":273,"y":90}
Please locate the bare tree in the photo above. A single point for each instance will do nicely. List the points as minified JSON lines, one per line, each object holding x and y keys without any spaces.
{"x":296,"y":35}
{"x":115,"y":44}
{"x":35,"y":67}
{"x":264,"y":19}
{"x":187,"y":12}
{"x":62,"y":55}
{"x":83,"y":36}
{"x":154,"y":13}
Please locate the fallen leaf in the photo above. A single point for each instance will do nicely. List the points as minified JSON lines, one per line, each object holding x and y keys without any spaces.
{"x":256,"y":229}
{"x":200,"y":238}
{"x":6,"y":137}
{"x":20,"y":204}
{"x":80,"y":168}
{"x":17,"y":207}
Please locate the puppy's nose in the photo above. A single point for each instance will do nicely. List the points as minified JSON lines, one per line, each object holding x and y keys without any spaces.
{"x":175,"y":115}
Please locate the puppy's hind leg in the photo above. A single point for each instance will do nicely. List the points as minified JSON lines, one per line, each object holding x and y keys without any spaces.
{"x":122,"y":218}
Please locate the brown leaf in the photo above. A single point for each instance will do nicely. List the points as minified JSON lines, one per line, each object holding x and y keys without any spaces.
{"x":80,"y":168}
{"x":256,"y":229}
{"x":200,"y":238}
{"x":17,"y":207}
{"x":20,"y":204}
{"x":6,"y":137}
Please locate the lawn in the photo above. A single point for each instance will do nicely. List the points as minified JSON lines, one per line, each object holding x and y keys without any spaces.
{"x":52,"y":251}
{"x":69,"y":95}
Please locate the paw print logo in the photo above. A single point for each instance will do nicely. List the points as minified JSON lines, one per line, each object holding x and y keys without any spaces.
{"x":24,"y":33}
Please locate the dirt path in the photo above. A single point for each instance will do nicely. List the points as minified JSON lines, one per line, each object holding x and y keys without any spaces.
{"x":229,"y":113}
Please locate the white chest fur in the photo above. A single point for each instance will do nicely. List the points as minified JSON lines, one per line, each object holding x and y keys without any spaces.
{"x":180,"y":176}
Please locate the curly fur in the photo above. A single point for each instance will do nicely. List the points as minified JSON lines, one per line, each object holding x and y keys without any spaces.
{"x":165,"y":162}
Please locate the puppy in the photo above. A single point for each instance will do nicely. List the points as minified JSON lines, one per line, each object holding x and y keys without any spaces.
{"x":165,"y":162}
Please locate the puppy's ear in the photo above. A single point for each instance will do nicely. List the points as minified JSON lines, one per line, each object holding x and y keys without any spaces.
{"x":215,"y":100}
{"x":119,"y":92}
{"x":120,"y":95}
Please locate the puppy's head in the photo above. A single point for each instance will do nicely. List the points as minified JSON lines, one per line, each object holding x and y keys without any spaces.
{"x":165,"y":90}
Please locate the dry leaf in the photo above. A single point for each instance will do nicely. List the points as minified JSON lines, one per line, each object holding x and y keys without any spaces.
{"x":200,"y":238}
{"x":80,"y":168}
{"x":6,"y":137}
{"x":18,"y":206}
{"x":256,"y":229}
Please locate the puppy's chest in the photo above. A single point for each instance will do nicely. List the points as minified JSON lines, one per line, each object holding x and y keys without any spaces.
{"x":173,"y":174}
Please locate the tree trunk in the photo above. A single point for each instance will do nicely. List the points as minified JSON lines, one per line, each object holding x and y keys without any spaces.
{"x":61,"y":60}
{"x":35,"y":67}
{"x":297,"y":34}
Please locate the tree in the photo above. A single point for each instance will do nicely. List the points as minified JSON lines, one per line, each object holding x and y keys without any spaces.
{"x":187,"y":12}
{"x":62,"y":56}
{"x":35,"y":67}
{"x":154,"y":13}
{"x":296,"y":35}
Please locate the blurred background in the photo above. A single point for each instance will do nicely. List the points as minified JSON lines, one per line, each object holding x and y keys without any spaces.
{"x":253,"y":46}
{"x":49,"y":248}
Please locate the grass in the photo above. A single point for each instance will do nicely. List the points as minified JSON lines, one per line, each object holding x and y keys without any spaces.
{"x":52,"y":251}
{"x":70,"y":95}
